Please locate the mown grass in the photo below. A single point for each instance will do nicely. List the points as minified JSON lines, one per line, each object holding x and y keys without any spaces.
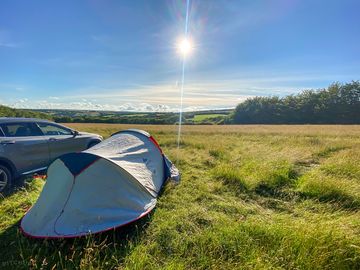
{"x":251,"y":197}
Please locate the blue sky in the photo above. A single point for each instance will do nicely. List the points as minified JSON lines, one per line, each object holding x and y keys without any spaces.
{"x":121,"y":55}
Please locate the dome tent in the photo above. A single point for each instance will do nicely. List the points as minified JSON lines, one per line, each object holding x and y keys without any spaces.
{"x":109,"y":185}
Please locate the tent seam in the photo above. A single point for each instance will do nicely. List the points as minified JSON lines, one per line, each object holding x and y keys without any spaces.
{"x":63,"y":208}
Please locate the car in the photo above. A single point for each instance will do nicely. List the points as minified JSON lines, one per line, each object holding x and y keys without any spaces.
{"x":29,"y":145}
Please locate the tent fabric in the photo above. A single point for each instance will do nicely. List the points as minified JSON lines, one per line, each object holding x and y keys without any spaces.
{"x":109,"y":185}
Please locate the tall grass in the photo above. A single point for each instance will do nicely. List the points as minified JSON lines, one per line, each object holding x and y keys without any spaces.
{"x":251,"y":197}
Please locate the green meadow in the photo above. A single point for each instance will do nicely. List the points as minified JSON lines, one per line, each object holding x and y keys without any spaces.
{"x":201,"y":118}
{"x":250,"y":197}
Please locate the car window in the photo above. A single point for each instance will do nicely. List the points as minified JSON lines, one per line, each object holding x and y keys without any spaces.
{"x":20,"y":130}
{"x":51,"y":129}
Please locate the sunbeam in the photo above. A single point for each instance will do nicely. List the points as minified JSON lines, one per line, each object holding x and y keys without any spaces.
{"x":185,"y":48}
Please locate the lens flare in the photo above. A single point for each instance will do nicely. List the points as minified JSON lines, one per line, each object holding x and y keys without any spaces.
{"x":185,"y":47}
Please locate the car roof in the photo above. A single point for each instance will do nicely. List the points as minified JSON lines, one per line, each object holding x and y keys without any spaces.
{"x":4,"y":120}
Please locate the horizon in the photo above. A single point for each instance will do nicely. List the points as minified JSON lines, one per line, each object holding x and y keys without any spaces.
{"x":134,"y":112}
{"x":121,"y":56}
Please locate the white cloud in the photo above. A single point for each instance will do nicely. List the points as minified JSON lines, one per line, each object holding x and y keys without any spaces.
{"x":198,"y":95}
{"x":6,"y":41}
{"x":12,"y":87}
{"x":81,"y":105}
{"x":154,"y":98}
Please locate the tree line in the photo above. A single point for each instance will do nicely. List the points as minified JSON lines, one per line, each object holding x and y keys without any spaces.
{"x":10,"y":112}
{"x":337,"y":104}
{"x":161,"y":119}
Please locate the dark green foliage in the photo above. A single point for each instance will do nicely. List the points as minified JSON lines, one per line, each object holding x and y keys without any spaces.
{"x":153,"y":118}
{"x":338,"y":104}
{"x":118,"y":117}
{"x":10,"y":112}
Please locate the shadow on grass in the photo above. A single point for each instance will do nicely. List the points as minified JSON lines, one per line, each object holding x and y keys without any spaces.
{"x":18,"y":185}
{"x":337,"y":200}
{"x":103,"y":250}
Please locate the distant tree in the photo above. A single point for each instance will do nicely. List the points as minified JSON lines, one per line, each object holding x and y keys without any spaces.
{"x":338,"y":104}
{"x":11,"y":112}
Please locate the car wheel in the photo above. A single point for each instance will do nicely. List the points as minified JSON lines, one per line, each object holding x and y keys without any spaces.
{"x":5,"y":179}
{"x":91,"y":144}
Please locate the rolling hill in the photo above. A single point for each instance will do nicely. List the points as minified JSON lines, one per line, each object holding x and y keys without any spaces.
{"x":11,"y":112}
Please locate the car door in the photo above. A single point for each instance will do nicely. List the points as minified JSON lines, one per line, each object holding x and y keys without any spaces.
{"x":61,"y":140}
{"x":24,"y":145}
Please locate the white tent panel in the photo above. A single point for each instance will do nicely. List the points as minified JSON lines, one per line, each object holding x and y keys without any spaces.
{"x":40,"y":219}
{"x":104,"y":196}
{"x":136,"y":154}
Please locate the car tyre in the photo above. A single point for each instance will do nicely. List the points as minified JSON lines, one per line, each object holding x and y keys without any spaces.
{"x":5,"y":179}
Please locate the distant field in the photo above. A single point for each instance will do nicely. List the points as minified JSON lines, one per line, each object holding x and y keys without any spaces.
{"x":251,"y":197}
{"x":123,"y":117}
{"x":326,"y":130}
{"x":207,"y":117}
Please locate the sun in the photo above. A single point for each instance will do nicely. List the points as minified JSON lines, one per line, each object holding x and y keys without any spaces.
{"x":185,"y":47}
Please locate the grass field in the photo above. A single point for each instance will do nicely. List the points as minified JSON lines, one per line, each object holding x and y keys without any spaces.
{"x":251,"y":197}
{"x":199,"y":118}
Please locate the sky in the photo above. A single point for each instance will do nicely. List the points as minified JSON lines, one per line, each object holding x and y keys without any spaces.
{"x":122,"y":55}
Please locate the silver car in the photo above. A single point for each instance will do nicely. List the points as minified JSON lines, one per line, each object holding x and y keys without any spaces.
{"x":29,"y":145}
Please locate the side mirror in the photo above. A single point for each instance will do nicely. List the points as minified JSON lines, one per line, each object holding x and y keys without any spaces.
{"x":75,"y":133}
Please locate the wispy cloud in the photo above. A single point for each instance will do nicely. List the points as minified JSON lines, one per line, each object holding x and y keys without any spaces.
{"x":9,"y":45}
{"x":103,"y":39}
{"x":6,"y":41}
{"x":89,"y":105}
{"x":198,"y":94}
{"x":163,"y":97}
{"x":67,"y":62}
{"x":12,"y":87}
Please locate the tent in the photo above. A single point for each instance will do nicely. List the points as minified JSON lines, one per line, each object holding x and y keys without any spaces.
{"x":109,"y":185}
